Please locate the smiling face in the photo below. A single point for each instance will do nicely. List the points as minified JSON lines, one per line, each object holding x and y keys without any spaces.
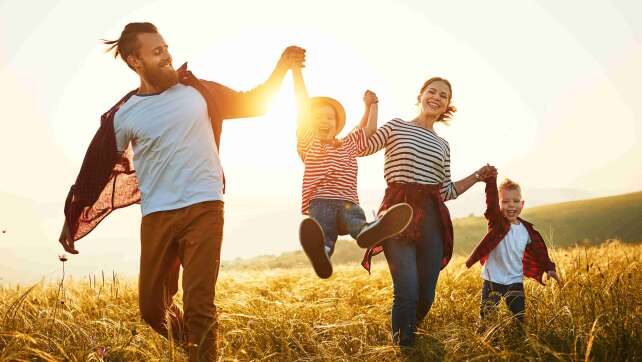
{"x":325,"y":121}
{"x":153,"y":62}
{"x":511,"y":204}
{"x":435,"y":99}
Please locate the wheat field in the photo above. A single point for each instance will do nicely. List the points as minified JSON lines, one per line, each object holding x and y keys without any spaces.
{"x":289,"y":314}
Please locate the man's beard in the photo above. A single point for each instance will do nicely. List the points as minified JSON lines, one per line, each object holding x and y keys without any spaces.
{"x":160,"y":78}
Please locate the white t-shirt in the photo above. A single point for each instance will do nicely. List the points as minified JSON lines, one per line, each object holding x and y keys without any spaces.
{"x":504,"y":264}
{"x":175,"y":156}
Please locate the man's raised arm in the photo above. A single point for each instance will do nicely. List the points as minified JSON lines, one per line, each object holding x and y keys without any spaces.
{"x":253,"y":103}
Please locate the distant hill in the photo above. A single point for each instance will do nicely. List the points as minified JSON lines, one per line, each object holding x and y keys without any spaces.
{"x":586,"y":221}
{"x":577,"y":222}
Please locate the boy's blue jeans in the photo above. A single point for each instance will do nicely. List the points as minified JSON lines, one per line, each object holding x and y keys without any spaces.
{"x":414,"y":266}
{"x":337,"y":217}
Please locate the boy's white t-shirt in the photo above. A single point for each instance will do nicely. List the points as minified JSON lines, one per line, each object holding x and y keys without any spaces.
{"x":504,"y":264}
{"x":175,"y":156}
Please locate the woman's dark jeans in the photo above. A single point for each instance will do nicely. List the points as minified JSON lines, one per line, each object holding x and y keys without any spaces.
{"x":414,"y":266}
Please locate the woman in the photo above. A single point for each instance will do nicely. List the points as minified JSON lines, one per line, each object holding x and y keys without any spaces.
{"x":417,"y":170}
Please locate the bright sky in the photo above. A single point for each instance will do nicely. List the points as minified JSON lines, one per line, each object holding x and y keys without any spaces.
{"x":546,"y":91}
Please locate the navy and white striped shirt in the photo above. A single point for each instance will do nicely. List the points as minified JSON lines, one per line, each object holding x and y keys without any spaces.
{"x":413,"y":155}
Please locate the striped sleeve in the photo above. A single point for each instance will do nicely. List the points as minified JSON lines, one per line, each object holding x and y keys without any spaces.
{"x":448,"y":190}
{"x":378,"y":140}
{"x":304,"y":138}
{"x":358,"y":139}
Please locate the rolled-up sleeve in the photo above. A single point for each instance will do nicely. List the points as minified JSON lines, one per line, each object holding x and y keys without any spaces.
{"x":448,"y":190}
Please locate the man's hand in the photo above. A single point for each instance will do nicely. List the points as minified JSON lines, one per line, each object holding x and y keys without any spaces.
{"x":293,"y":57}
{"x":66,"y":240}
{"x":369,"y":97}
{"x":553,"y":274}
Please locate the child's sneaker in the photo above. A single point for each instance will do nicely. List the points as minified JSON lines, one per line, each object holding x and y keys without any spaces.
{"x":392,"y":222}
{"x":313,"y":243}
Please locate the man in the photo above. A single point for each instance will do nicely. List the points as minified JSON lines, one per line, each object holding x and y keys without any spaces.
{"x":173,"y":122}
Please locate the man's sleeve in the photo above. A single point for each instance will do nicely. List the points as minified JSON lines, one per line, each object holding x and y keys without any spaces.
{"x":122,"y":137}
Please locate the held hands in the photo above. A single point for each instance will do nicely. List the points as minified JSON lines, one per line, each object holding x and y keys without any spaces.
{"x":370,"y":98}
{"x":553,"y":274}
{"x":486,"y":172}
{"x":293,"y":57}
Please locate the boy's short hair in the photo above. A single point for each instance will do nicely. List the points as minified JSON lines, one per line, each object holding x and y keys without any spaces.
{"x":509,"y":184}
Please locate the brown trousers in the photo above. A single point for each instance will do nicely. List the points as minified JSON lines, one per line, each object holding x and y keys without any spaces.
{"x":191,"y":237}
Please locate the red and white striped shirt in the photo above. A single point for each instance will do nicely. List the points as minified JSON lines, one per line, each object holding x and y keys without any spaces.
{"x":330,"y":172}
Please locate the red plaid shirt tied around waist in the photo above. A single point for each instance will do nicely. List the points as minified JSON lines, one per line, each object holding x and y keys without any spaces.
{"x":417,"y":195}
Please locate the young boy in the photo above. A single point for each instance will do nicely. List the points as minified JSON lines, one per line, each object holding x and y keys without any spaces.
{"x":330,"y":179}
{"x":511,"y":249}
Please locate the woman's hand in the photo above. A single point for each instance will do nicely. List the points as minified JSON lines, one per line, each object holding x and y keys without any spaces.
{"x":370,"y":115}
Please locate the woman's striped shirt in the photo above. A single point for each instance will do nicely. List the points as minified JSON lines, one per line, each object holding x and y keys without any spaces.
{"x":413,"y":155}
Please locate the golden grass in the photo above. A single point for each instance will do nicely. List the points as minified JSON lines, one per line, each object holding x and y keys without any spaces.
{"x":289,"y":314}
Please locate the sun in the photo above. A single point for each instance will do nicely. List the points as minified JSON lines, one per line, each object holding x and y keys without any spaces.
{"x":282,"y":106}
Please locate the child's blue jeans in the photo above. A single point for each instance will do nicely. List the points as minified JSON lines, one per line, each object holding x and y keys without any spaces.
{"x":337,"y":217}
{"x":513,"y":295}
